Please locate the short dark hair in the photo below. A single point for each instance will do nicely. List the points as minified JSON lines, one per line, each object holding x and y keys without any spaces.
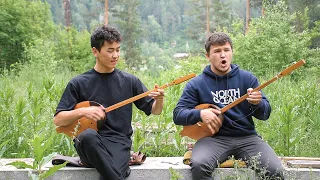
{"x":217,"y":38}
{"x":102,"y":34}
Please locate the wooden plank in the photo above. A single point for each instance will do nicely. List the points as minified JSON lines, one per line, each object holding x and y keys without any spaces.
{"x":303,"y":164}
{"x":285,"y":158}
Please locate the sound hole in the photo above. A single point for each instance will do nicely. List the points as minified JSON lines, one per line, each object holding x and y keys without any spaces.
{"x":213,"y":107}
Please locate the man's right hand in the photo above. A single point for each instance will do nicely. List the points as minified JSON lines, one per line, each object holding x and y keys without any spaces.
{"x":94,"y":113}
{"x":211,"y":119}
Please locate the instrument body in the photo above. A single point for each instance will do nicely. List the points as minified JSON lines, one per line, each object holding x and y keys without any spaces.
{"x":75,"y":128}
{"x":200,"y":129}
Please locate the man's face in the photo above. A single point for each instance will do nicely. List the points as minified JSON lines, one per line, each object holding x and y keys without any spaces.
{"x":220,"y":57}
{"x":107,"y":58}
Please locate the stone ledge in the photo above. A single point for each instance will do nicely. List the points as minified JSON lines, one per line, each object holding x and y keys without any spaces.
{"x":155,"y":168}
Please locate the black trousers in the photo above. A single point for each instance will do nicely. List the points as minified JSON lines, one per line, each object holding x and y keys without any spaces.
{"x":111,"y":159}
{"x":208,"y":151}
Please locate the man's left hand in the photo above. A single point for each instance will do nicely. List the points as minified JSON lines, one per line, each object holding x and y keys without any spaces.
{"x":254,"y":97}
{"x":158,"y":94}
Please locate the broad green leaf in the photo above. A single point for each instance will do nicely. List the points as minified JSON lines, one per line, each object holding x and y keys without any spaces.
{"x":3,"y":147}
{"x":53,"y":169}
{"x":37,"y":148}
{"x":20,"y":165}
{"x":48,"y":158}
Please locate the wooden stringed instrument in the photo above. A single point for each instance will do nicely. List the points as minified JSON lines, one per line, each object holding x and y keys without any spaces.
{"x":78,"y":126}
{"x":200,"y":129}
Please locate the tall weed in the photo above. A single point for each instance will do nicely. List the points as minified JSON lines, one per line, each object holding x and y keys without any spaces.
{"x":292,"y":122}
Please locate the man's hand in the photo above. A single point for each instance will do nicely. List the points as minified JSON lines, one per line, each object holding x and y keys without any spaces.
{"x":211,"y":119}
{"x":157,"y":95}
{"x":65,"y":118}
{"x":254,"y":97}
{"x":94,"y":113}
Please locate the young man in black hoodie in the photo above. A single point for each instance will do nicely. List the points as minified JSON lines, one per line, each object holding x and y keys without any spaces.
{"x":108,"y":150}
{"x":220,"y":84}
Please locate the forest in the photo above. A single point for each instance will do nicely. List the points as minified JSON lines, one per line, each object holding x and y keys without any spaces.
{"x":44,"y":43}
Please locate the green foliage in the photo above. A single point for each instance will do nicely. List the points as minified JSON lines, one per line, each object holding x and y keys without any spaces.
{"x":29,"y":97}
{"x":183,"y":23}
{"x":72,"y":49}
{"x":40,"y":145}
{"x":272,"y":42}
{"x":84,"y":13}
{"x":295,"y":106}
{"x":164,"y":22}
{"x":21,"y":22}
{"x":196,"y":17}
{"x":4,"y":141}
{"x":153,"y":31}
{"x":129,"y":22}
{"x":155,"y":59}
{"x":174,"y":175}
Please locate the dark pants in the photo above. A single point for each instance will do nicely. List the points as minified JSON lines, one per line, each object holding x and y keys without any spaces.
{"x":210,"y":151}
{"x":109,"y":158}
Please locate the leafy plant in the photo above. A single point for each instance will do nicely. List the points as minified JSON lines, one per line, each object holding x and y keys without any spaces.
{"x":174,"y":175}
{"x":272,"y":42}
{"x":4,"y":141}
{"x":40,"y":146}
{"x":22,"y":22}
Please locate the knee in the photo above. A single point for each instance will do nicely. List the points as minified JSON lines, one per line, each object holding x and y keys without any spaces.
{"x":195,"y":164}
{"x":88,"y":137}
{"x":200,"y":166}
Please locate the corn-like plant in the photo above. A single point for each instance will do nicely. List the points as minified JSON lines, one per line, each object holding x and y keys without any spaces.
{"x":40,"y":145}
{"x":294,"y":106}
{"x":174,"y":174}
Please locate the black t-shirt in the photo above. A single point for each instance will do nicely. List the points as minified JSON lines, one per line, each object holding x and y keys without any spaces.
{"x":108,"y":89}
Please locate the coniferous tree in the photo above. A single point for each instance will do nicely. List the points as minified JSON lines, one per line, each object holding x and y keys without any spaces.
{"x":128,"y":21}
{"x":67,"y":12}
{"x":204,"y":14}
{"x":247,"y":16}
{"x":106,"y":12}
{"x":57,"y":11}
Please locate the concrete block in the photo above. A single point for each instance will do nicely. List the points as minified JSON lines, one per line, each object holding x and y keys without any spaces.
{"x":154,"y":168}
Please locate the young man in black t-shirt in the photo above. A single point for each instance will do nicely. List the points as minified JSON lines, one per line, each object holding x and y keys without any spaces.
{"x":108,"y":149}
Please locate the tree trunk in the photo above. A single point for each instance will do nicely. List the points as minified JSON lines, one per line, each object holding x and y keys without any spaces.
{"x":247,"y":16}
{"x":106,"y":13}
{"x":67,"y":12}
{"x":208,"y":24}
